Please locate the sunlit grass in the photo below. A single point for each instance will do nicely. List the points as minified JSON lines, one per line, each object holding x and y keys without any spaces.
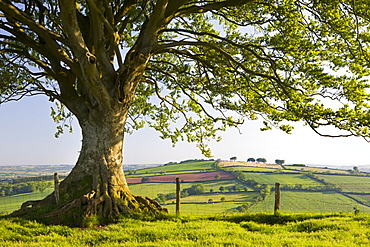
{"x":224,"y":230}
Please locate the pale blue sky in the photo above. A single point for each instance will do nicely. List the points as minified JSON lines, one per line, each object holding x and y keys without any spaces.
{"x":27,"y":138}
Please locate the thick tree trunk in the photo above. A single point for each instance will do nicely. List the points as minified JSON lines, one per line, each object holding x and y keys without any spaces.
{"x":96,"y":186}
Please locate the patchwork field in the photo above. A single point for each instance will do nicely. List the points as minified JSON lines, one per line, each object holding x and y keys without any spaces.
{"x":224,"y":194}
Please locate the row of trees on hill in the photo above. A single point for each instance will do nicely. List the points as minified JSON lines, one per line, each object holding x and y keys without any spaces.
{"x":259,"y":160}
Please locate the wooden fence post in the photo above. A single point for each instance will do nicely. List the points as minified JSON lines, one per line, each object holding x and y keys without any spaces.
{"x":177,"y":196}
{"x":56,"y":188}
{"x":277,"y":198}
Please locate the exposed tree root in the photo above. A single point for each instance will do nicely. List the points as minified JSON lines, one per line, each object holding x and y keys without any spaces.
{"x":106,"y":208}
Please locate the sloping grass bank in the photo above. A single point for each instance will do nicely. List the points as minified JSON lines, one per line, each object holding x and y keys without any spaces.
{"x":228,"y":230}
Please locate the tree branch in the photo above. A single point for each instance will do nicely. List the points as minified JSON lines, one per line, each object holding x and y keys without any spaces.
{"x":211,"y":6}
{"x":87,"y":61}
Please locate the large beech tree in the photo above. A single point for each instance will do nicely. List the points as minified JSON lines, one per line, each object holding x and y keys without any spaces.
{"x":187,"y":69}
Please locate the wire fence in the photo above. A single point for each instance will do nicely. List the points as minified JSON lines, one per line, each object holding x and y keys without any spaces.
{"x":16,"y":191}
{"x":216,"y":197}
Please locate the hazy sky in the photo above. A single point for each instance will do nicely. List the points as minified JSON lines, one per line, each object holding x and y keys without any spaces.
{"x":27,"y":138}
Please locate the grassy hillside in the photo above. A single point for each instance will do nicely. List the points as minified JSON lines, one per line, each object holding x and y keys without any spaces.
{"x":237,"y":230}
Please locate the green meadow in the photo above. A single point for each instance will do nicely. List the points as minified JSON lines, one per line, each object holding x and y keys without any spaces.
{"x":224,"y":230}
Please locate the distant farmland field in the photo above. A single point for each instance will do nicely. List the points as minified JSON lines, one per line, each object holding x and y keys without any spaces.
{"x":187,"y":177}
{"x":272,"y":178}
{"x":250,"y":169}
{"x":225,"y":193}
{"x":11,"y":203}
{"x":348,"y":183}
{"x":186,"y":166}
{"x":318,"y":202}
{"x":200,"y":204}
{"x":317,"y":169}
{"x":153,"y":189}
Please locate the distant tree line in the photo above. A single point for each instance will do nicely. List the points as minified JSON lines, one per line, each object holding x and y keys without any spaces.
{"x":316,"y":188}
{"x":8,"y":189}
{"x":33,"y":179}
{"x":22,"y":185}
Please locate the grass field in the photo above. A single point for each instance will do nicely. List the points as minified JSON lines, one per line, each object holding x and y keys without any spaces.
{"x":11,"y":203}
{"x":145,"y":174}
{"x":349,"y":183}
{"x":200,"y":204}
{"x":152,"y":189}
{"x":187,"y":166}
{"x":318,"y":202}
{"x":272,"y":178}
{"x":364,"y":199}
{"x":234,"y":231}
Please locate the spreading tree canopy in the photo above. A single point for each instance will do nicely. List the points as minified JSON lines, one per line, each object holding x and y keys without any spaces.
{"x":186,"y":68}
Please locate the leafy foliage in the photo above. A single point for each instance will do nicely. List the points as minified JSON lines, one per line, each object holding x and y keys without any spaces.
{"x":191,"y":69}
